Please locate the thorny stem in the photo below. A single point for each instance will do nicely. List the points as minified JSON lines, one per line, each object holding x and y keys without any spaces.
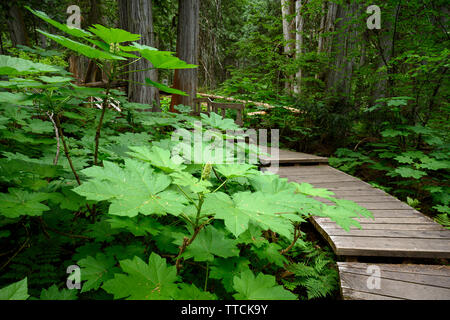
{"x":197,"y":228}
{"x":297,"y":235}
{"x":66,"y":150}
{"x":99,"y":127}
{"x":50,"y":115}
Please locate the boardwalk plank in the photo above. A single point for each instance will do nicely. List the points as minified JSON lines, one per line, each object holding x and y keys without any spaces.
{"x":391,"y":247}
{"x":423,"y":284}
{"x":412,"y":234}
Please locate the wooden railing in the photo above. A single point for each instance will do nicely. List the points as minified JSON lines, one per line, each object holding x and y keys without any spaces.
{"x":215,"y":106}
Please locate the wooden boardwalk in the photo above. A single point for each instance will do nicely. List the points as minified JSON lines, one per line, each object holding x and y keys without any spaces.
{"x":396,"y":281}
{"x":397,"y":230}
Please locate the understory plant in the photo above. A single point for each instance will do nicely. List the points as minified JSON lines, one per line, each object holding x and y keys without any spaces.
{"x":140,"y":221}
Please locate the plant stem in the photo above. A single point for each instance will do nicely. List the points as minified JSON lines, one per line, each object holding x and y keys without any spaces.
{"x":297,"y":235}
{"x":220,"y":185}
{"x":207,"y":275}
{"x":66,"y":149}
{"x":99,"y":127}
{"x":50,"y":115}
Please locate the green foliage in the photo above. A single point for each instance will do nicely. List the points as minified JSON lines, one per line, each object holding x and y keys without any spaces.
{"x":15,"y":291}
{"x":261,"y":287}
{"x":141,"y":223}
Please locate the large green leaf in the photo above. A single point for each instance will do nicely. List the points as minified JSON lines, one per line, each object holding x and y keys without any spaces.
{"x":113,"y":35}
{"x":244,"y":207}
{"x":131,"y":190}
{"x":81,"y":48}
{"x":209,"y":243}
{"x":15,"y":291}
{"x":191,"y":292}
{"x":17,"y":66}
{"x":72,"y":31}
{"x":261,"y":287}
{"x":185,"y":179}
{"x":236,"y":170}
{"x":20,"y":202}
{"x":165,"y":88}
{"x":96,"y":270}
{"x":158,"y":157}
{"x":152,"y":281}
{"x":159,"y":59}
{"x":216,"y":121}
{"x":226,"y":269}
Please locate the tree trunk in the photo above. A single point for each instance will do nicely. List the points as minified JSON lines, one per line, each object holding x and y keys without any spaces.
{"x":187,"y":50}
{"x":299,"y":21}
{"x":321,"y":42}
{"x":136,"y":17}
{"x":338,"y":79}
{"x":17,"y":27}
{"x":287,"y":10}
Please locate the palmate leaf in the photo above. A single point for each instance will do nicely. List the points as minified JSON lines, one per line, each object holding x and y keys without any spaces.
{"x":216,"y":121}
{"x":81,"y":48}
{"x":406,"y":172}
{"x":159,"y":59}
{"x":96,"y":270}
{"x":17,"y":66}
{"x":244,"y":207}
{"x":72,"y":31}
{"x":270,"y":183}
{"x":113,"y":35}
{"x":236,"y":170}
{"x":18,"y":98}
{"x":131,"y":190}
{"x":309,"y":190}
{"x":185,"y":179}
{"x":20,"y":202}
{"x":226,"y":269}
{"x":152,"y":281}
{"x":15,"y":291}
{"x":261,"y":287}
{"x":53,"y":293}
{"x":157,"y":156}
{"x":138,"y":226}
{"x":209,"y":243}
{"x":271,"y":253}
{"x":191,"y":292}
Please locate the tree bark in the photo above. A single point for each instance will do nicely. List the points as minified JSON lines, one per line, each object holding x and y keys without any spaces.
{"x":187,"y":50}
{"x":299,"y":22}
{"x":136,"y":17}
{"x":287,"y":11}
{"x":342,"y":44}
{"x":17,"y":27}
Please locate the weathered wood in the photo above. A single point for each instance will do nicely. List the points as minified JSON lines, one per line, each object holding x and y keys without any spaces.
{"x":385,"y":226}
{"x":401,"y":220}
{"x":391,"y":247}
{"x":349,"y":294}
{"x":239,"y":107}
{"x":430,"y":270}
{"x":411,"y":234}
{"x":419,"y":282}
{"x":286,"y":156}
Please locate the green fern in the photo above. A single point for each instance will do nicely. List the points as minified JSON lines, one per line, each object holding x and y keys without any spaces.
{"x":316,"y":275}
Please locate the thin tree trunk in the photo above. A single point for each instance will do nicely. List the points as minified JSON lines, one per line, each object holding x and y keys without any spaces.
{"x":187,"y":50}
{"x":299,"y":21}
{"x":287,"y":10}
